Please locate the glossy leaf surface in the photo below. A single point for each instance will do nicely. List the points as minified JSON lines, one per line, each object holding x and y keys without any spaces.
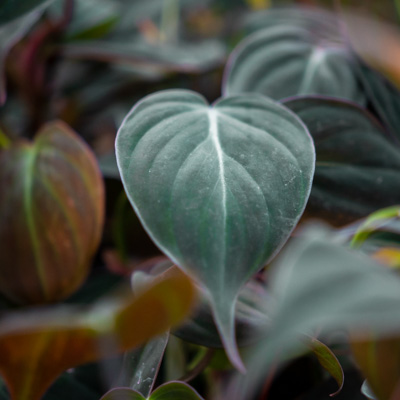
{"x":357,"y":165}
{"x":61,"y":338}
{"x":140,"y":366}
{"x":168,"y":391}
{"x":51,"y":213}
{"x":320,"y":284}
{"x":219,"y":189}
{"x":289,"y":57}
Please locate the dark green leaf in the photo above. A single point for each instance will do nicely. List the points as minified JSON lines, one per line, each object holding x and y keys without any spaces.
{"x":168,"y":391}
{"x":219,"y":189}
{"x":12,"y":9}
{"x":384,"y":96}
{"x":287,"y":59}
{"x":141,"y":365}
{"x":358,"y":164}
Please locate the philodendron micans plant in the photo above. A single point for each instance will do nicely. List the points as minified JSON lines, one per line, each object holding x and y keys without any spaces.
{"x":305,"y":128}
{"x":219,"y":188}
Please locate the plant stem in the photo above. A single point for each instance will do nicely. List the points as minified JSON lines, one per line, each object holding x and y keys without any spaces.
{"x":199,"y":367}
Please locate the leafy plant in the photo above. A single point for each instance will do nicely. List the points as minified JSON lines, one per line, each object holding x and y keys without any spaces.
{"x":172,"y":266}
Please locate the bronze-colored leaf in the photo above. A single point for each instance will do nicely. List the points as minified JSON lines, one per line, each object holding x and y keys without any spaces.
{"x":37,"y":346}
{"x":51,"y":215}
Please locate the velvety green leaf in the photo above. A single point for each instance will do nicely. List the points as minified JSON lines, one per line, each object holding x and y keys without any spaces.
{"x":287,"y":59}
{"x":318,"y":20}
{"x":54,"y":340}
{"x":219,"y":189}
{"x":168,"y":391}
{"x":384,"y":97}
{"x":328,"y":361}
{"x":141,"y":365}
{"x":12,"y":9}
{"x":367,"y":392}
{"x":358,"y":164}
{"x":174,"y":391}
{"x":319,"y":283}
{"x":161,"y":57}
{"x":51,"y":213}
{"x":10,"y":34}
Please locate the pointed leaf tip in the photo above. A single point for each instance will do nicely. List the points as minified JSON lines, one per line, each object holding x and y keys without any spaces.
{"x":219,"y":189}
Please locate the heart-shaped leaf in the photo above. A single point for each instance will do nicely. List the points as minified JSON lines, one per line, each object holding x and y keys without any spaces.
{"x":219,"y":189}
{"x":140,"y":366}
{"x":358,"y":163}
{"x":168,"y":391}
{"x":38,"y":345}
{"x":51,"y":213}
{"x":285,"y":60}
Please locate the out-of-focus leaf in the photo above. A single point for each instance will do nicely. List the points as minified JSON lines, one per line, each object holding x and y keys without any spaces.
{"x":108,"y":166}
{"x":67,"y":387}
{"x":379,"y":361}
{"x":168,"y":391}
{"x":219,"y":189}
{"x":357,"y":165}
{"x":318,"y":20}
{"x":10,"y":34}
{"x":51,"y":213}
{"x":91,"y":19}
{"x":141,"y":365}
{"x":367,"y":392}
{"x":251,"y":322}
{"x":377,"y":42}
{"x":57,"y":339}
{"x":174,"y":366}
{"x":319,"y":283}
{"x":328,"y":361}
{"x":377,"y":220}
{"x":162,"y":57}
{"x":290,"y":57}
{"x":12,"y":9}
{"x":384,"y":97}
